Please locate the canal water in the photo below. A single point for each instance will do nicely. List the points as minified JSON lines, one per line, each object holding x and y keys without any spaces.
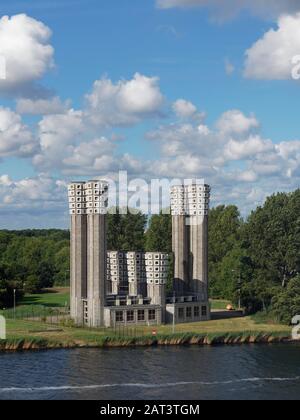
{"x":228,"y":372}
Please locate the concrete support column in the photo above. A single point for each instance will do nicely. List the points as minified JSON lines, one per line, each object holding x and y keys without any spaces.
{"x":137,"y":288}
{"x":115,"y":288}
{"x":157,"y":294}
{"x":78,"y":267}
{"x":180,"y":239}
{"x":199,"y":255}
{"x":96,"y":279}
{"x":133,"y":288}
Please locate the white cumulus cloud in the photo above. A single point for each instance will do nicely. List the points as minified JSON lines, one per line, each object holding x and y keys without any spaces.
{"x":271,"y":57}
{"x":33,"y":202}
{"x":229,"y":8}
{"x":42,"y":106}
{"x":91,"y":154}
{"x":231,"y":155}
{"x":57,"y":133}
{"x":16,"y":139}
{"x":100,"y":156}
{"x":184,"y":109}
{"x":24,"y":44}
{"x":234,"y":121}
{"x":252,"y":146}
{"x":124,"y":103}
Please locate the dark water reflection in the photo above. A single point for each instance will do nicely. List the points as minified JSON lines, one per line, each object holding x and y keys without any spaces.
{"x":246,"y":372}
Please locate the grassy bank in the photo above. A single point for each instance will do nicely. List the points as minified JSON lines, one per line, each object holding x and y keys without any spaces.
{"x":29,"y":335}
{"x":25,"y":335}
{"x":33,"y":343}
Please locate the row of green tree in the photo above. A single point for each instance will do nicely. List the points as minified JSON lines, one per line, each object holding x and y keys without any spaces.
{"x":256,"y":261}
{"x":32,"y":260}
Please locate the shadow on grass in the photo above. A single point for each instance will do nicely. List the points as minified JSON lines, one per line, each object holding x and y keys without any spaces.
{"x":50,"y":299}
{"x":36,"y":300}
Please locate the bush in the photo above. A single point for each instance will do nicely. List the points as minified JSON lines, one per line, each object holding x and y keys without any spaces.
{"x":286,"y":305}
{"x":7,"y":294}
{"x":67,"y":323}
{"x":33,"y":284}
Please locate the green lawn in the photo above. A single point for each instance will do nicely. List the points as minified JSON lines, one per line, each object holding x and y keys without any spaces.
{"x":40,"y":305}
{"x":56,"y":298}
{"x":217,"y":304}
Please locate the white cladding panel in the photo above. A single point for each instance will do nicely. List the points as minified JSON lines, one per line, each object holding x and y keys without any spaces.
{"x":138,"y":267}
{"x":191,"y":200}
{"x":90,"y":197}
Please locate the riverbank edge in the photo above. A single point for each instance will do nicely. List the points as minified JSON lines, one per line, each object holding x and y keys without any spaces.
{"x":39,"y":343}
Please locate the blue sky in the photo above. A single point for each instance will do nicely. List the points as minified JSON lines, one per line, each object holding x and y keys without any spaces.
{"x":181,"y":52}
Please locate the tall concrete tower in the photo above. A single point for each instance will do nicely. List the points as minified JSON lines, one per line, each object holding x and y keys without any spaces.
{"x":189,"y":206}
{"x":180,"y":240}
{"x":197,"y":209}
{"x":96,"y":203}
{"x":78,"y":251}
{"x":88,"y":252}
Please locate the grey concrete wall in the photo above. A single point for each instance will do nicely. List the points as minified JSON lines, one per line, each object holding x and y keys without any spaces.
{"x":199,"y":256}
{"x":137,"y":288}
{"x":171,"y":309}
{"x":133,"y":288}
{"x":180,"y":246}
{"x":110,"y":315}
{"x":96,"y":278}
{"x":78,"y":266}
{"x":114,"y":288}
{"x":157,"y":294}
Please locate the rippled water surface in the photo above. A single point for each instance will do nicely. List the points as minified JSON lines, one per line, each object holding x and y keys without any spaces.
{"x":246,"y":372}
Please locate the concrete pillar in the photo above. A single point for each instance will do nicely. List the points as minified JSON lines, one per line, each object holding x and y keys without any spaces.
{"x":78,"y":266}
{"x":180,"y":246}
{"x":96,"y":277}
{"x":115,"y":288}
{"x":137,"y":287}
{"x":133,"y":288}
{"x":199,"y":255}
{"x":157,"y":293}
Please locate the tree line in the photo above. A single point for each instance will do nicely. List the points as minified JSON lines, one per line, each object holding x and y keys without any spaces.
{"x":31,"y":260}
{"x":255,"y":260}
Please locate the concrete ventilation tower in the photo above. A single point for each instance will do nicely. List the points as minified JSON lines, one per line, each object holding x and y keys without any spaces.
{"x":189,"y":206}
{"x":96,"y":201}
{"x":78,"y":251}
{"x":197,"y":209}
{"x":88,"y":252}
{"x":180,"y":240}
